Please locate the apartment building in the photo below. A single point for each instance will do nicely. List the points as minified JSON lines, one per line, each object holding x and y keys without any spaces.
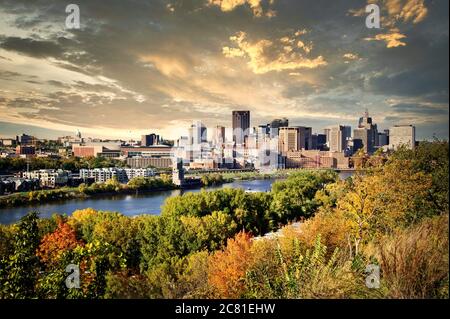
{"x":49,"y":177}
{"x":123,"y":175}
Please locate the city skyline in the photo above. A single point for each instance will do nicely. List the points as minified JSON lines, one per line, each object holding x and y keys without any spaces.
{"x":157,"y":66}
{"x":197,"y":131}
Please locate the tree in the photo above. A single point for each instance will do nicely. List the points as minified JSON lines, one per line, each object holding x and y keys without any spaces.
{"x":227,"y":268}
{"x":18,"y":272}
{"x":6,"y":240}
{"x":55,"y":244}
{"x":430,"y":158}
{"x":388,"y":197}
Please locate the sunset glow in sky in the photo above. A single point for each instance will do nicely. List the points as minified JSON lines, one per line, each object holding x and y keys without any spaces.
{"x":145,"y":66}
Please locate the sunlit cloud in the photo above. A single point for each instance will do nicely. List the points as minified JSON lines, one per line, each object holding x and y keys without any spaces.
{"x":255,"y":6}
{"x":287,"y":53}
{"x":392,"y":39}
{"x":395,"y":13}
{"x":154,"y":66}
{"x":413,"y":11}
{"x":350,"y":57}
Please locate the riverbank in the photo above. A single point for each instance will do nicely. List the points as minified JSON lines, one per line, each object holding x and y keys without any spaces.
{"x":132,"y":204}
{"x":66,"y":193}
{"x":140,"y":186}
{"x":137,"y":186}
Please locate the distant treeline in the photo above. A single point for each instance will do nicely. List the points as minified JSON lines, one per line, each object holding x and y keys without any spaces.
{"x":74,"y":164}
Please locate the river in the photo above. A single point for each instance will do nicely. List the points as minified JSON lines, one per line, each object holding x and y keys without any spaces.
{"x":130,"y":205}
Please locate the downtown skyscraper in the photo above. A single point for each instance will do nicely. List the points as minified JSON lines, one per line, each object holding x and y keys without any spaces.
{"x":241,"y":126}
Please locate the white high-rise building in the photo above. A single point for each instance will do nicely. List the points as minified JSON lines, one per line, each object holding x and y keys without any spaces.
{"x":338,"y":138}
{"x":402,"y":135}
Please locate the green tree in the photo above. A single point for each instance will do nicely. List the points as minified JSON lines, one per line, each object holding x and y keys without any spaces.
{"x":18,"y":272}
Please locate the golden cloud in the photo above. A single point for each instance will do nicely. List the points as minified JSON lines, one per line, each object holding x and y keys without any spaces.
{"x":350,"y":56}
{"x":287,"y":53}
{"x":169,"y":66}
{"x":406,"y":10}
{"x":392,"y":39}
{"x":255,"y":5}
{"x":394,"y":12}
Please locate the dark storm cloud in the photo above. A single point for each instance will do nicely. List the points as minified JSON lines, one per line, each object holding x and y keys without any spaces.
{"x":25,"y":103}
{"x":35,"y":48}
{"x":437,"y":97}
{"x":420,"y":109}
{"x":11,"y":75}
{"x":418,"y":69}
{"x":8,"y":74}
{"x":58,"y":84}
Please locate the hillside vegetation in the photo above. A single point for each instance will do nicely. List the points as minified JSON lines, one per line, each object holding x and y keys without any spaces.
{"x":211,"y":244}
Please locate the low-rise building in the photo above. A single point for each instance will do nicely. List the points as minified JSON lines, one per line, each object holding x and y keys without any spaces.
{"x":7,"y":142}
{"x":316,"y":159}
{"x":7,"y":186}
{"x":207,"y":164}
{"x":97,"y":149}
{"x":150,"y":151}
{"x":49,"y":177}
{"x":26,"y":185}
{"x":149,"y":162}
{"x":17,"y":184}
{"x":25,"y":150}
{"x":123,"y":175}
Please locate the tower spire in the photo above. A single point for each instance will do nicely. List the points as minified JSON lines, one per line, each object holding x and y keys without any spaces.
{"x":366,"y":113}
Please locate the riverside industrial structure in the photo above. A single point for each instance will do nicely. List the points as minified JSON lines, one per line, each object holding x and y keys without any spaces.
{"x":275,"y":145}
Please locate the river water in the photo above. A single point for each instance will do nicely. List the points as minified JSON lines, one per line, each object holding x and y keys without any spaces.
{"x":130,"y":205}
{"x":149,"y":203}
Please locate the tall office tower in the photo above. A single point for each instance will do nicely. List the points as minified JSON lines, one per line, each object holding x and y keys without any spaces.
{"x":306,"y":136}
{"x":294,"y":138}
{"x":288,"y":139}
{"x":362,"y":140}
{"x":382,"y":139}
{"x":149,"y":140}
{"x":219,"y":135}
{"x":402,"y":135}
{"x":321,"y":142}
{"x":263,"y":130}
{"x":337,"y":139}
{"x":387,"y":136}
{"x":197,"y":133}
{"x":326,"y":132}
{"x":347,"y":135}
{"x":366,"y":122}
{"x":315,"y":144}
{"x":241,"y":126}
{"x":252,"y":139}
{"x":262,"y":133}
{"x":276,"y":124}
{"x":26,"y":140}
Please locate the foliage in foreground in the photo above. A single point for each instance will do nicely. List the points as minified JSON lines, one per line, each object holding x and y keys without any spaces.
{"x":209,"y":244}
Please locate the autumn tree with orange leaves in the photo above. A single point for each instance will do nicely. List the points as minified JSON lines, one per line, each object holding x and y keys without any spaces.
{"x":53,"y":245}
{"x":227,"y":268}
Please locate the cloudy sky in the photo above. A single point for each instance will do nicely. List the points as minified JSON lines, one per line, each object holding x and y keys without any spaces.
{"x":154,"y":66}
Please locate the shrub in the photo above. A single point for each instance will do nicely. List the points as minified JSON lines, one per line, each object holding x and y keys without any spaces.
{"x":227,"y":268}
{"x":414,"y":262}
